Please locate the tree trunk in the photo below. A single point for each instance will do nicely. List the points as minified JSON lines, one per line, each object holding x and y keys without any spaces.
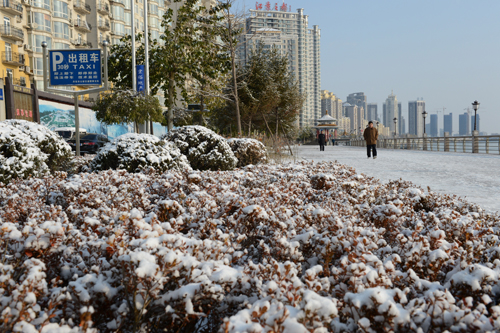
{"x":171,"y":87}
{"x":233,"y":70}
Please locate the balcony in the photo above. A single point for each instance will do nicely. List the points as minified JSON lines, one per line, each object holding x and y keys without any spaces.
{"x":81,"y":7}
{"x":103,"y":8}
{"x":104,"y":25}
{"x":117,"y":2}
{"x":7,"y":31}
{"x":82,"y":44}
{"x":11,"y":7}
{"x":82,"y":26}
{"x":12,"y":58}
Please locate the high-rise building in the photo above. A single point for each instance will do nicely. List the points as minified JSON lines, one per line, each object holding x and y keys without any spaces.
{"x":331,"y":104}
{"x":351,"y":111}
{"x":384,"y":114}
{"x":344,"y":125}
{"x":472,"y":123}
{"x":391,"y":110}
{"x":464,"y":124}
{"x":415,"y":118}
{"x":448,"y":123}
{"x":400,"y":117}
{"x":303,"y":46}
{"x":285,"y":44}
{"x":433,"y":125}
{"x":362,"y":122}
{"x":358,"y":99}
{"x":403,"y":128}
{"x":371,"y":111}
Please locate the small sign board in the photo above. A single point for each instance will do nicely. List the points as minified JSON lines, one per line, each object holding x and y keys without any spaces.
{"x":1,"y":94}
{"x":140,"y":77}
{"x":75,"y":67}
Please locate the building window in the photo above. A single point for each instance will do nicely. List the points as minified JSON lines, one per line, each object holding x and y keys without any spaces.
{"x":43,"y":22}
{"x":61,"y":30}
{"x":37,"y":42}
{"x":118,"y":13}
{"x":8,"y":52}
{"x":38,"y":66}
{"x":118,"y":29}
{"x":45,"y":4}
{"x":61,"y":46}
{"x":61,"y":9}
{"x":155,"y":34}
{"x":153,"y":22}
{"x":153,"y":9}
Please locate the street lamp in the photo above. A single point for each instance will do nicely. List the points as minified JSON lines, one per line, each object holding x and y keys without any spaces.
{"x":425,"y":115}
{"x":475,"y":105}
{"x":395,"y":122}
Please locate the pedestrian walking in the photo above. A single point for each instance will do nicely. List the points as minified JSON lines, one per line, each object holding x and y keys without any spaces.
{"x":322,"y":141}
{"x":333,"y":139}
{"x":371,"y":135}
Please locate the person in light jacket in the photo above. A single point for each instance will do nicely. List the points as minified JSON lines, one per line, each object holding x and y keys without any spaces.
{"x":371,"y":135}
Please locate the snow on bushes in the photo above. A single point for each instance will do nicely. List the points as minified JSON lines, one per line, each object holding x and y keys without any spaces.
{"x":204,"y":149}
{"x":58,"y":151}
{"x":248,"y":151}
{"x":296,"y":248}
{"x":136,"y":152}
{"x":19,"y":155}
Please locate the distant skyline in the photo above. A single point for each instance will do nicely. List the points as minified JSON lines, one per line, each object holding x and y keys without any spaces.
{"x":445,"y":51}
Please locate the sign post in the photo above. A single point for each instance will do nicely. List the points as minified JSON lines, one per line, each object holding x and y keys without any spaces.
{"x":75,"y":68}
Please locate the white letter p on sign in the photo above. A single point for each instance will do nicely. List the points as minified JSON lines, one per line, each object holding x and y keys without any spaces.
{"x":57,"y":58}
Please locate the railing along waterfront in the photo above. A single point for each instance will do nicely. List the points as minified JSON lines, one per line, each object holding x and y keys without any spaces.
{"x":483,"y":144}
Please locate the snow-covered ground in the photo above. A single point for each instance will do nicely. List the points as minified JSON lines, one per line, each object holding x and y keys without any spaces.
{"x":475,"y":177}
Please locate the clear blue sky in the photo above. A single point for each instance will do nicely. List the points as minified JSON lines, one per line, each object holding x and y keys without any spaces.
{"x":446,"y":51}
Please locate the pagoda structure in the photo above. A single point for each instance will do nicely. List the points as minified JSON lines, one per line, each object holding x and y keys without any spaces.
{"x":328,"y":124}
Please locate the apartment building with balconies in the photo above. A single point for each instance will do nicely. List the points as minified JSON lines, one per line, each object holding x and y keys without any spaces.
{"x":14,"y":60}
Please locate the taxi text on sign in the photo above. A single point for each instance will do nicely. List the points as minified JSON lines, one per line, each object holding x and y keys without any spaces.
{"x":75,"y":67}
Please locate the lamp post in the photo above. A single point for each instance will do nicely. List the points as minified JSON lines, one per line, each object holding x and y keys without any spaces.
{"x":425,"y":115}
{"x":395,"y":122}
{"x":475,"y":105}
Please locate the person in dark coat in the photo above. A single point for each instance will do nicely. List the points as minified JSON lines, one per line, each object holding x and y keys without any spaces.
{"x":371,"y":135}
{"x":322,"y":141}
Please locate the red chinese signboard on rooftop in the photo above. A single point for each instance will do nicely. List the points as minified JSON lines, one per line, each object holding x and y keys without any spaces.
{"x":283,"y":8}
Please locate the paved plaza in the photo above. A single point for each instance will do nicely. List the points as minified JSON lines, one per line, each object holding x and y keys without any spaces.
{"x":473,"y":176}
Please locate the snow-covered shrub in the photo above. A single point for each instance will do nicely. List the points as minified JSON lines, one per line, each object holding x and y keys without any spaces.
{"x":80,"y":164}
{"x":248,"y":151}
{"x":286,"y":248}
{"x":204,"y":149}
{"x":58,"y":151}
{"x":19,"y":155}
{"x":136,"y":152}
